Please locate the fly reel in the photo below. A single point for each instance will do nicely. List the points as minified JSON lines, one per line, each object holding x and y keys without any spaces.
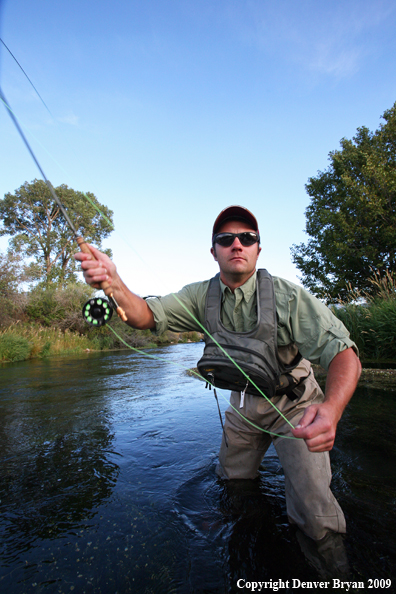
{"x":97,"y":312}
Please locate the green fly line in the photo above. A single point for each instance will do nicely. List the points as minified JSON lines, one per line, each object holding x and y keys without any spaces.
{"x":201,"y":378}
{"x":230,"y":358}
{"x":2,"y":98}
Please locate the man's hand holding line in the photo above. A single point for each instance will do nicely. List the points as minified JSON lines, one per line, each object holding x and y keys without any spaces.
{"x":319,"y":422}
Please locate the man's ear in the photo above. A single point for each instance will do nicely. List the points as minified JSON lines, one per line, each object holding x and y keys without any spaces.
{"x":213,"y":252}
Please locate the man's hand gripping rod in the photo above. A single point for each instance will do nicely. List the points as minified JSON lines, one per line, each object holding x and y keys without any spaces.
{"x":104,"y":285}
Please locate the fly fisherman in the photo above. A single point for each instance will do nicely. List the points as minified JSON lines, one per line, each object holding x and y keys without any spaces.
{"x":273,"y":329}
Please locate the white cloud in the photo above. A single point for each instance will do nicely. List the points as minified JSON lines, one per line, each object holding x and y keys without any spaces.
{"x":337,"y":61}
{"x":70,"y":119}
{"x":331,"y":38}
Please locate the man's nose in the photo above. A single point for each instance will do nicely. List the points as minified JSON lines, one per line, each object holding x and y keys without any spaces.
{"x":236,"y":244}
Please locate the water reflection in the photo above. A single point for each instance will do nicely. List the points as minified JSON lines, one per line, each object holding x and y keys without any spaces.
{"x":108,"y":484}
{"x":55,"y":437}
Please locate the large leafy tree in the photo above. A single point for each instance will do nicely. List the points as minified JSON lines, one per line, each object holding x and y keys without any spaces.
{"x":40,"y":232}
{"x":351,"y":219}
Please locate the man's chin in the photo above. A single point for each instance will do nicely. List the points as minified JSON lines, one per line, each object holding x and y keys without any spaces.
{"x":240,"y":274}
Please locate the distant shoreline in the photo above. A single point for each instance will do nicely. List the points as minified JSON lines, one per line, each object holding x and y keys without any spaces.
{"x":370,"y":378}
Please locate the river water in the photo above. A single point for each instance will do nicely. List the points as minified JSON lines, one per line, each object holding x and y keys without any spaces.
{"x":108,"y":484}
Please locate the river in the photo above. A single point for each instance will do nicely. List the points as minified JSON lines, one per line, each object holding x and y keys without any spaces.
{"x":108,"y":484}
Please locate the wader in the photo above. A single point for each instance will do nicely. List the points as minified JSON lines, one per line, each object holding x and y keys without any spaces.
{"x":309,"y":501}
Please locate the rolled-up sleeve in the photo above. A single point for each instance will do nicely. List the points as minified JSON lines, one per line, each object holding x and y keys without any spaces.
{"x":303,"y":319}
{"x":161,"y":321}
{"x":180,"y":312}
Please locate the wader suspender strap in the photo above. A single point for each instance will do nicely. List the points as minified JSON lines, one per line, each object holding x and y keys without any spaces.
{"x":254,"y":352}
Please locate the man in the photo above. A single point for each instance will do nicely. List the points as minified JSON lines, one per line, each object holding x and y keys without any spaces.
{"x":304,"y":330}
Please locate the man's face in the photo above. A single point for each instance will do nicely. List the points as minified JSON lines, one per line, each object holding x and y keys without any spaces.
{"x":236,"y":262}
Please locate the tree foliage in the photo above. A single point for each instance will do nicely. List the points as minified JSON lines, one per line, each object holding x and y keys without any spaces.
{"x":351,"y":219}
{"x":11,"y":274}
{"x":40,"y":232}
{"x":11,"y":277}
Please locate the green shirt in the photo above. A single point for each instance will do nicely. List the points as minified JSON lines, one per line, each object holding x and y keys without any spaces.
{"x":302,"y":319}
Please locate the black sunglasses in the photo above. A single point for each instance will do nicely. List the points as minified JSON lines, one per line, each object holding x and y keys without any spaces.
{"x":246,"y":238}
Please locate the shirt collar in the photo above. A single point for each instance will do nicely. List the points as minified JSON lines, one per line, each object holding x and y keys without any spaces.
{"x":248,"y":288}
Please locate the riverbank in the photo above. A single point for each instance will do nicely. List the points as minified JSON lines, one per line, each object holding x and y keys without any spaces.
{"x":370,"y":378}
{"x":23,"y":341}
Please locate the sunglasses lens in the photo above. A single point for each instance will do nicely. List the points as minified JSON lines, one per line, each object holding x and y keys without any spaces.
{"x":227,"y":239}
{"x":247,"y":239}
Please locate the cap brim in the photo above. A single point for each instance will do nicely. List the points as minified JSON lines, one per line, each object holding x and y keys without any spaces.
{"x":234,"y":212}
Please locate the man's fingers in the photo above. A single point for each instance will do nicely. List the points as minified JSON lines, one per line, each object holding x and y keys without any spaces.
{"x":98,"y":278}
{"x":83,"y":257}
{"x":316,"y":442}
{"x":307,"y":418}
{"x":316,"y":430}
{"x":96,"y":253}
{"x":96,"y":275}
{"x":96,"y":267}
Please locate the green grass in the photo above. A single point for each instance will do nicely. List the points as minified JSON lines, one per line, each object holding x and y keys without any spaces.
{"x":25,"y":341}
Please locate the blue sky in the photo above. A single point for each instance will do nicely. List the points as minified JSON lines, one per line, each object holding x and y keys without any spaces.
{"x":170,"y":110}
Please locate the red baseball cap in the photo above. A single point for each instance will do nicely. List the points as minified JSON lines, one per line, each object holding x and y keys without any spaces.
{"x":235,"y":212}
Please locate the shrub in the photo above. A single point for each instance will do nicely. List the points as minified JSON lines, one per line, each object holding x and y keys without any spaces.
{"x":14,"y":348}
{"x":59,"y":307}
{"x":191,"y":336}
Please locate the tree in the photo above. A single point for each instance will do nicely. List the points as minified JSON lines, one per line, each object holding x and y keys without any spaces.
{"x":11,"y":278}
{"x":40,"y":231}
{"x":351,"y":219}
{"x":11,"y":274}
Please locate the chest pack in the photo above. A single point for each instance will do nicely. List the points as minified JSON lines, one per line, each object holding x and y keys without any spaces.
{"x":255,"y":351}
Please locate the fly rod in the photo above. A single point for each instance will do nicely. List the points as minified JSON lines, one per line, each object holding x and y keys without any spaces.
{"x":104,"y":285}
